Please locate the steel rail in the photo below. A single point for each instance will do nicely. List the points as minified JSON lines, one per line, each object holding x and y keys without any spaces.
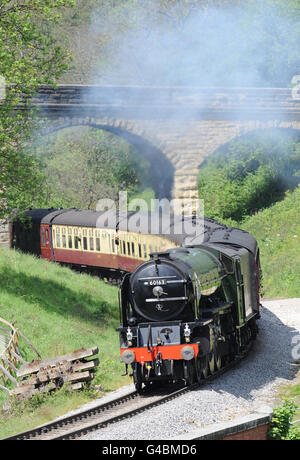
{"x":58,"y":424}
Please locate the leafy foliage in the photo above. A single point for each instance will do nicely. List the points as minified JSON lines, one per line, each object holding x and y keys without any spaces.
{"x":249,"y":175}
{"x":29,"y":57}
{"x":158,"y":42}
{"x":83,"y":165}
{"x":133,"y":41}
{"x":280,"y":428}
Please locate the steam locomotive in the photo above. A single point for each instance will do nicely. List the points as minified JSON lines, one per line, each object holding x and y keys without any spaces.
{"x":190,"y":310}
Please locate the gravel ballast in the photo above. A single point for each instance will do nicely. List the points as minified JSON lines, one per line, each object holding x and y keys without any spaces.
{"x":242,"y":390}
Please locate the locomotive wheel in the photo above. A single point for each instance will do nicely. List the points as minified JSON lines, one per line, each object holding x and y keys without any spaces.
{"x":139,"y":387}
{"x":205,"y":367}
{"x":189,"y":371}
{"x":211,"y":362}
{"x":137,"y":378}
{"x":198,"y":368}
{"x":218,"y":360}
{"x":201,"y":368}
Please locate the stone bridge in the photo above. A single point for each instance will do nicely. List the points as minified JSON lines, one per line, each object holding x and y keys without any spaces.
{"x":175,"y":127}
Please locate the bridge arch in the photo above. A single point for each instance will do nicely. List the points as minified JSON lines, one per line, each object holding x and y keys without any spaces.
{"x":162,"y":169}
{"x":184,"y":124}
{"x":249,"y":131}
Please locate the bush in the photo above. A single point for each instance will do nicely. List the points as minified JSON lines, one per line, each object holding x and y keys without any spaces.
{"x":249,"y":175}
{"x":280,"y":427}
{"x":83,"y":165}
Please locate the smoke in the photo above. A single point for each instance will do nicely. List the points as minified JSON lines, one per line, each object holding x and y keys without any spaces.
{"x":140,"y":50}
{"x":185,"y":43}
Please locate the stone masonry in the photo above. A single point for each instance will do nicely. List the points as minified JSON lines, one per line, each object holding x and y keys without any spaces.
{"x":184,"y":125}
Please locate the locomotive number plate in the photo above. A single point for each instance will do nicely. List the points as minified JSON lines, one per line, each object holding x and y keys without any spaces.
{"x":158,"y":282}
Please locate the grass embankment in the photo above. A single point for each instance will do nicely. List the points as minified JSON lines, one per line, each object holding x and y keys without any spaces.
{"x":59,"y":311}
{"x":245,"y":184}
{"x":277,"y":230}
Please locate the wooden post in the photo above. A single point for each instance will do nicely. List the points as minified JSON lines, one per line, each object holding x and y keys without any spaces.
{"x":30,"y":344}
{"x":8,"y":375}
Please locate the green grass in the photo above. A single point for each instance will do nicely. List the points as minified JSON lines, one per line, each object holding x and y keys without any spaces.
{"x":277,"y":230}
{"x":59,"y":311}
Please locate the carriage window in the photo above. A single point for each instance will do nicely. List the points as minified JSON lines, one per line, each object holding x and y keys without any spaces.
{"x":92,"y":245}
{"x":47,"y":234}
{"x":85,"y":243}
{"x":76,"y":242}
{"x":128,"y":248}
{"x":98,"y":244}
{"x":150,"y":249}
{"x":70,"y":242}
{"x":145,"y":251}
{"x":140,"y":251}
{"x":132,"y":249}
{"x":113,"y":244}
{"x":58,"y":241}
{"x":64,"y":241}
{"x":124,"y":248}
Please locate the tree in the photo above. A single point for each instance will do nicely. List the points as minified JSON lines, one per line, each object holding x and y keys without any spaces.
{"x":83,"y":165}
{"x":29,"y":56}
{"x":249,"y":174}
{"x":187,"y":42}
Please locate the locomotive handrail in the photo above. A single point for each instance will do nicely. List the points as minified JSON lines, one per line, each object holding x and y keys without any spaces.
{"x":170,"y":299}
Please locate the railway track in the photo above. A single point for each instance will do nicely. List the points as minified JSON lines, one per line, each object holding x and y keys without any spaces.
{"x":98,"y":417}
{"x":101,"y":416}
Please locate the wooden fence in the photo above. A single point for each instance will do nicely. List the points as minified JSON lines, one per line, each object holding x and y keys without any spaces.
{"x":29,"y":378}
{"x":10,"y":355}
